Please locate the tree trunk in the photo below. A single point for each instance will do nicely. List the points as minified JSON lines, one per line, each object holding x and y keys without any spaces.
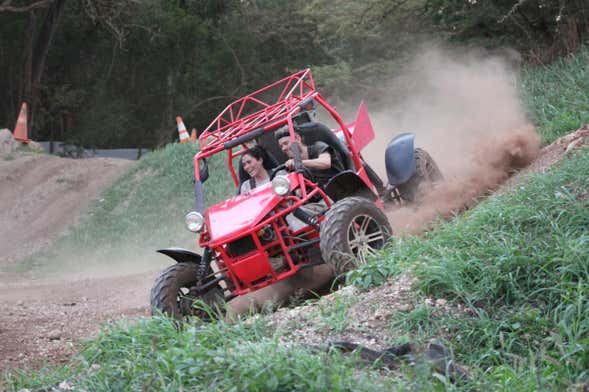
{"x":27,"y":86}
{"x":45,"y":38}
{"x":37,"y":51}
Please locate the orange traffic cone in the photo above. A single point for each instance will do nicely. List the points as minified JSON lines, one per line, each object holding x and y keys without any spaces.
{"x":182,"y":130}
{"x":193,"y":135}
{"x":20,"y":129}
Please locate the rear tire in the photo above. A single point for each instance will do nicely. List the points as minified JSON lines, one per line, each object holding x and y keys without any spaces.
{"x":174,"y":293}
{"x":354,"y":229}
{"x":426,"y":172}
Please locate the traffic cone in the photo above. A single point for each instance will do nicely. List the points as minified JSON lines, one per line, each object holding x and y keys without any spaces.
{"x":20,"y":129}
{"x":182,"y":130}
{"x":193,"y":135}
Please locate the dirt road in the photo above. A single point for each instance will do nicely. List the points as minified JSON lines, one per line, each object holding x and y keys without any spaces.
{"x":40,"y":196}
{"x":42,"y":321}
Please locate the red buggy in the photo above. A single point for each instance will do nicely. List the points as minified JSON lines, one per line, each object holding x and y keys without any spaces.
{"x":242,"y":237}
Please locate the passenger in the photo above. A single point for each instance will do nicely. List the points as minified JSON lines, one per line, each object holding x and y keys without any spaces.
{"x":310,"y":279}
{"x":256,"y":164}
{"x":320,"y":159}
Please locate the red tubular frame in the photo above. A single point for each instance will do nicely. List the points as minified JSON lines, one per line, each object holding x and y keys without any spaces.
{"x":234,"y":122}
{"x":278,"y":223}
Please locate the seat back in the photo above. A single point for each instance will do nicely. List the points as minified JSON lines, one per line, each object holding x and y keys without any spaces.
{"x":312,"y":132}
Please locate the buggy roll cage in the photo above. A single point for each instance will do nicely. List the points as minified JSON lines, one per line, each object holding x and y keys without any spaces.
{"x":265,"y":110}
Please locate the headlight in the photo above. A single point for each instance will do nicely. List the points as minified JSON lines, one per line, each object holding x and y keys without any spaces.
{"x":281,"y":185}
{"x":194,"y":221}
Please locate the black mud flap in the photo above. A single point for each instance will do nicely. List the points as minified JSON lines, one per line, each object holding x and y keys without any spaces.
{"x":181,"y":255}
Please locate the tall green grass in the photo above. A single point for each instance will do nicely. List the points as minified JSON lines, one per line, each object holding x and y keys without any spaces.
{"x":519,"y":263}
{"x":153,"y":355}
{"x":558,"y":94}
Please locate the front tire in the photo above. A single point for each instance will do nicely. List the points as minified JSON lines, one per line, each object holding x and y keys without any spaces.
{"x":353,"y":230}
{"x":174,"y":293}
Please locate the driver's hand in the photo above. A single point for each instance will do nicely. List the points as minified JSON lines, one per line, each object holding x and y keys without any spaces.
{"x":289,"y":164}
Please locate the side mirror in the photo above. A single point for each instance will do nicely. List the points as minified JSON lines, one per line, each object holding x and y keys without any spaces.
{"x":204,"y":170}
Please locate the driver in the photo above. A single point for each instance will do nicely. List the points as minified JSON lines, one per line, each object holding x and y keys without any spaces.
{"x":320,"y":159}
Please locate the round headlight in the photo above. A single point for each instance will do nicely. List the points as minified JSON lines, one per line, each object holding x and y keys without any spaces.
{"x":194,"y":221}
{"x":281,"y":185}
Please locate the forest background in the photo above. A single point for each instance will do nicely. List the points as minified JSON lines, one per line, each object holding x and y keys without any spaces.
{"x":110,"y":73}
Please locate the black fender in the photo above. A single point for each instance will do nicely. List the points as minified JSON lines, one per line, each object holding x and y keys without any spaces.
{"x":181,"y":255}
{"x":400,"y":158}
{"x":345,"y":184}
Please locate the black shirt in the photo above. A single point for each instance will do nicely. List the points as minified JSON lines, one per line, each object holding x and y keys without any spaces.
{"x":322,"y":176}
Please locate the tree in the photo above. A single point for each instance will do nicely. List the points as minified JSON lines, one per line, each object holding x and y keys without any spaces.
{"x":544,"y":29}
{"x":37,"y":45}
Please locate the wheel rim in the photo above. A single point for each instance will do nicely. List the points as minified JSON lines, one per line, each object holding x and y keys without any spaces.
{"x":187,"y":297}
{"x":365,"y":237}
{"x":185,"y":300}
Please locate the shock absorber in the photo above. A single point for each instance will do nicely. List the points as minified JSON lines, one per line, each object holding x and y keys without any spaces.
{"x":307,"y":218}
{"x":203,"y":265}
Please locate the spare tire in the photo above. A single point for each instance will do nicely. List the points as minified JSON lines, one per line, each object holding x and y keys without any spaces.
{"x":426,"y":172}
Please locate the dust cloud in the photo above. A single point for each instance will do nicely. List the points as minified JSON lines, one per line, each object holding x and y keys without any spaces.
{"x":466,"y":111}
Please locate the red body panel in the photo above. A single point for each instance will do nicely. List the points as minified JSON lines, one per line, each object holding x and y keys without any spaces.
{"x":233,"y":216}
{"x":252,"y":267}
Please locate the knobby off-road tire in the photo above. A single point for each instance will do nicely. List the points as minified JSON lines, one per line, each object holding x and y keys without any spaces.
{"x":354,"y":229}
{"x":173,"y":293}
{"x":426,"y":171}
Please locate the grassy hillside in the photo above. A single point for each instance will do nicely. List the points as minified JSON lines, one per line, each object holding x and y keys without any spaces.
{"x":558,"y":94}
{"x":517,"y":264}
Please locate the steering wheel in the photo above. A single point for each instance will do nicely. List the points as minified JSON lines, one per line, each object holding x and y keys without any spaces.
{"x":275,"y":170}
{"x":305,"y":172}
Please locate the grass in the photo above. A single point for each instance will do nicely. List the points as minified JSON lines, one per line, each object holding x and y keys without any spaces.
{"x":334,"y":316}
{"x":519,"y":262}
{"x":155,"y":355}
{"x":558,"y":94}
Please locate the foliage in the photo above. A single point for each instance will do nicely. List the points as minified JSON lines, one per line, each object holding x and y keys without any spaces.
{"x":531,"y":25}
{"x":558,"y":94}
{"x":119,"y":72}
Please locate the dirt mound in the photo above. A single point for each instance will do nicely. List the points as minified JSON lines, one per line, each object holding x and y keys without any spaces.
{"x":41,"y":195}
